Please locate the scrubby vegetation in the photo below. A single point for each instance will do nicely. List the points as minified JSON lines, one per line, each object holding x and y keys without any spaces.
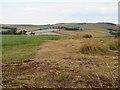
{"x":114,"y":45}
{"x":87,"y":36}
{"x":13,"y":32}
{"x":99,"y":47}
{"x":92,"y":47}
{"x":9,"y":31}
{"x":72,"y":29}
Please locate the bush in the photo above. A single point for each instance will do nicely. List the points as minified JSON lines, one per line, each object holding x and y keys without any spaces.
{"x":71,"y":29}
{"x":87,"y":36}
{"x":22,"y":32}
{"x":9,"y":32}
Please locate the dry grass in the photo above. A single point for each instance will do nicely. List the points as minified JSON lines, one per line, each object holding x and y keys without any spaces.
{"x":94,"y":33}
{"x":114,"y":44}
{"x":59,"y":64}
{"x":93,"y":47}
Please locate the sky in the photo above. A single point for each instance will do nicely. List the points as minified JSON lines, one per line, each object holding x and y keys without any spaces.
{"x":42,"y":12}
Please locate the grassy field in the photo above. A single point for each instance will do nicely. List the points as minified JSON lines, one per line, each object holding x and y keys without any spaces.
{"x":17,"y":48}
{"x":54,"y":62}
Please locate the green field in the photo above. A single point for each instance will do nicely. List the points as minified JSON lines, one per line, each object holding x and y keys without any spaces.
{"x":17,"y":48}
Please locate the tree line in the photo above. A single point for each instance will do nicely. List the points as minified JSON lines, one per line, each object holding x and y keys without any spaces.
{"x":12,"y":30}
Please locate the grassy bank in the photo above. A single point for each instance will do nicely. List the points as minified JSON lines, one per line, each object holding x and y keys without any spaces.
{"x":17,"y":48}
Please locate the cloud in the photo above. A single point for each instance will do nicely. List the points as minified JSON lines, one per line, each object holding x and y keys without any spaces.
{"x":59,"y":0}
{"x":70,"y":8}
{"x":45,"y":13}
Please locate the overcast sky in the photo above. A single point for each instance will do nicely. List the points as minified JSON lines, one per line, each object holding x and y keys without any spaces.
{"x":58,"y":11}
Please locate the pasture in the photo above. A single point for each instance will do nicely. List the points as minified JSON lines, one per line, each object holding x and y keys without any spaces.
{"x":59,"y":62}
{"x":17,"y":48}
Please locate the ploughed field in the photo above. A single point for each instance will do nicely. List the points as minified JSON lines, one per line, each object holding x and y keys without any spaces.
{"x":59,"y":62}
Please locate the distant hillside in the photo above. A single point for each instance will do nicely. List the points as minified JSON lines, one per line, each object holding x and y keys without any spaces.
{"x":90,"y":26}
{"x":83,"y":26}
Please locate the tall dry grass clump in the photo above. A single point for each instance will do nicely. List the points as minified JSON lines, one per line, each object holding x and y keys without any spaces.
{"x":93,"y":46}
{"x":113,"y":44}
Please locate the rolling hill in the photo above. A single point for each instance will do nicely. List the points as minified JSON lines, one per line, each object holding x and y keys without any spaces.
{"x":84,"y":26}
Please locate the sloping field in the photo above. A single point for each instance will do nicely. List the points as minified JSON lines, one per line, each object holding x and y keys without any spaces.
{"x":19,"y":27}
{"x":89,"y":26}
{"x":28,"y":27}
{"x":105,"y":26}
{"x":94,"y":33}
{"x":84,"y":26}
